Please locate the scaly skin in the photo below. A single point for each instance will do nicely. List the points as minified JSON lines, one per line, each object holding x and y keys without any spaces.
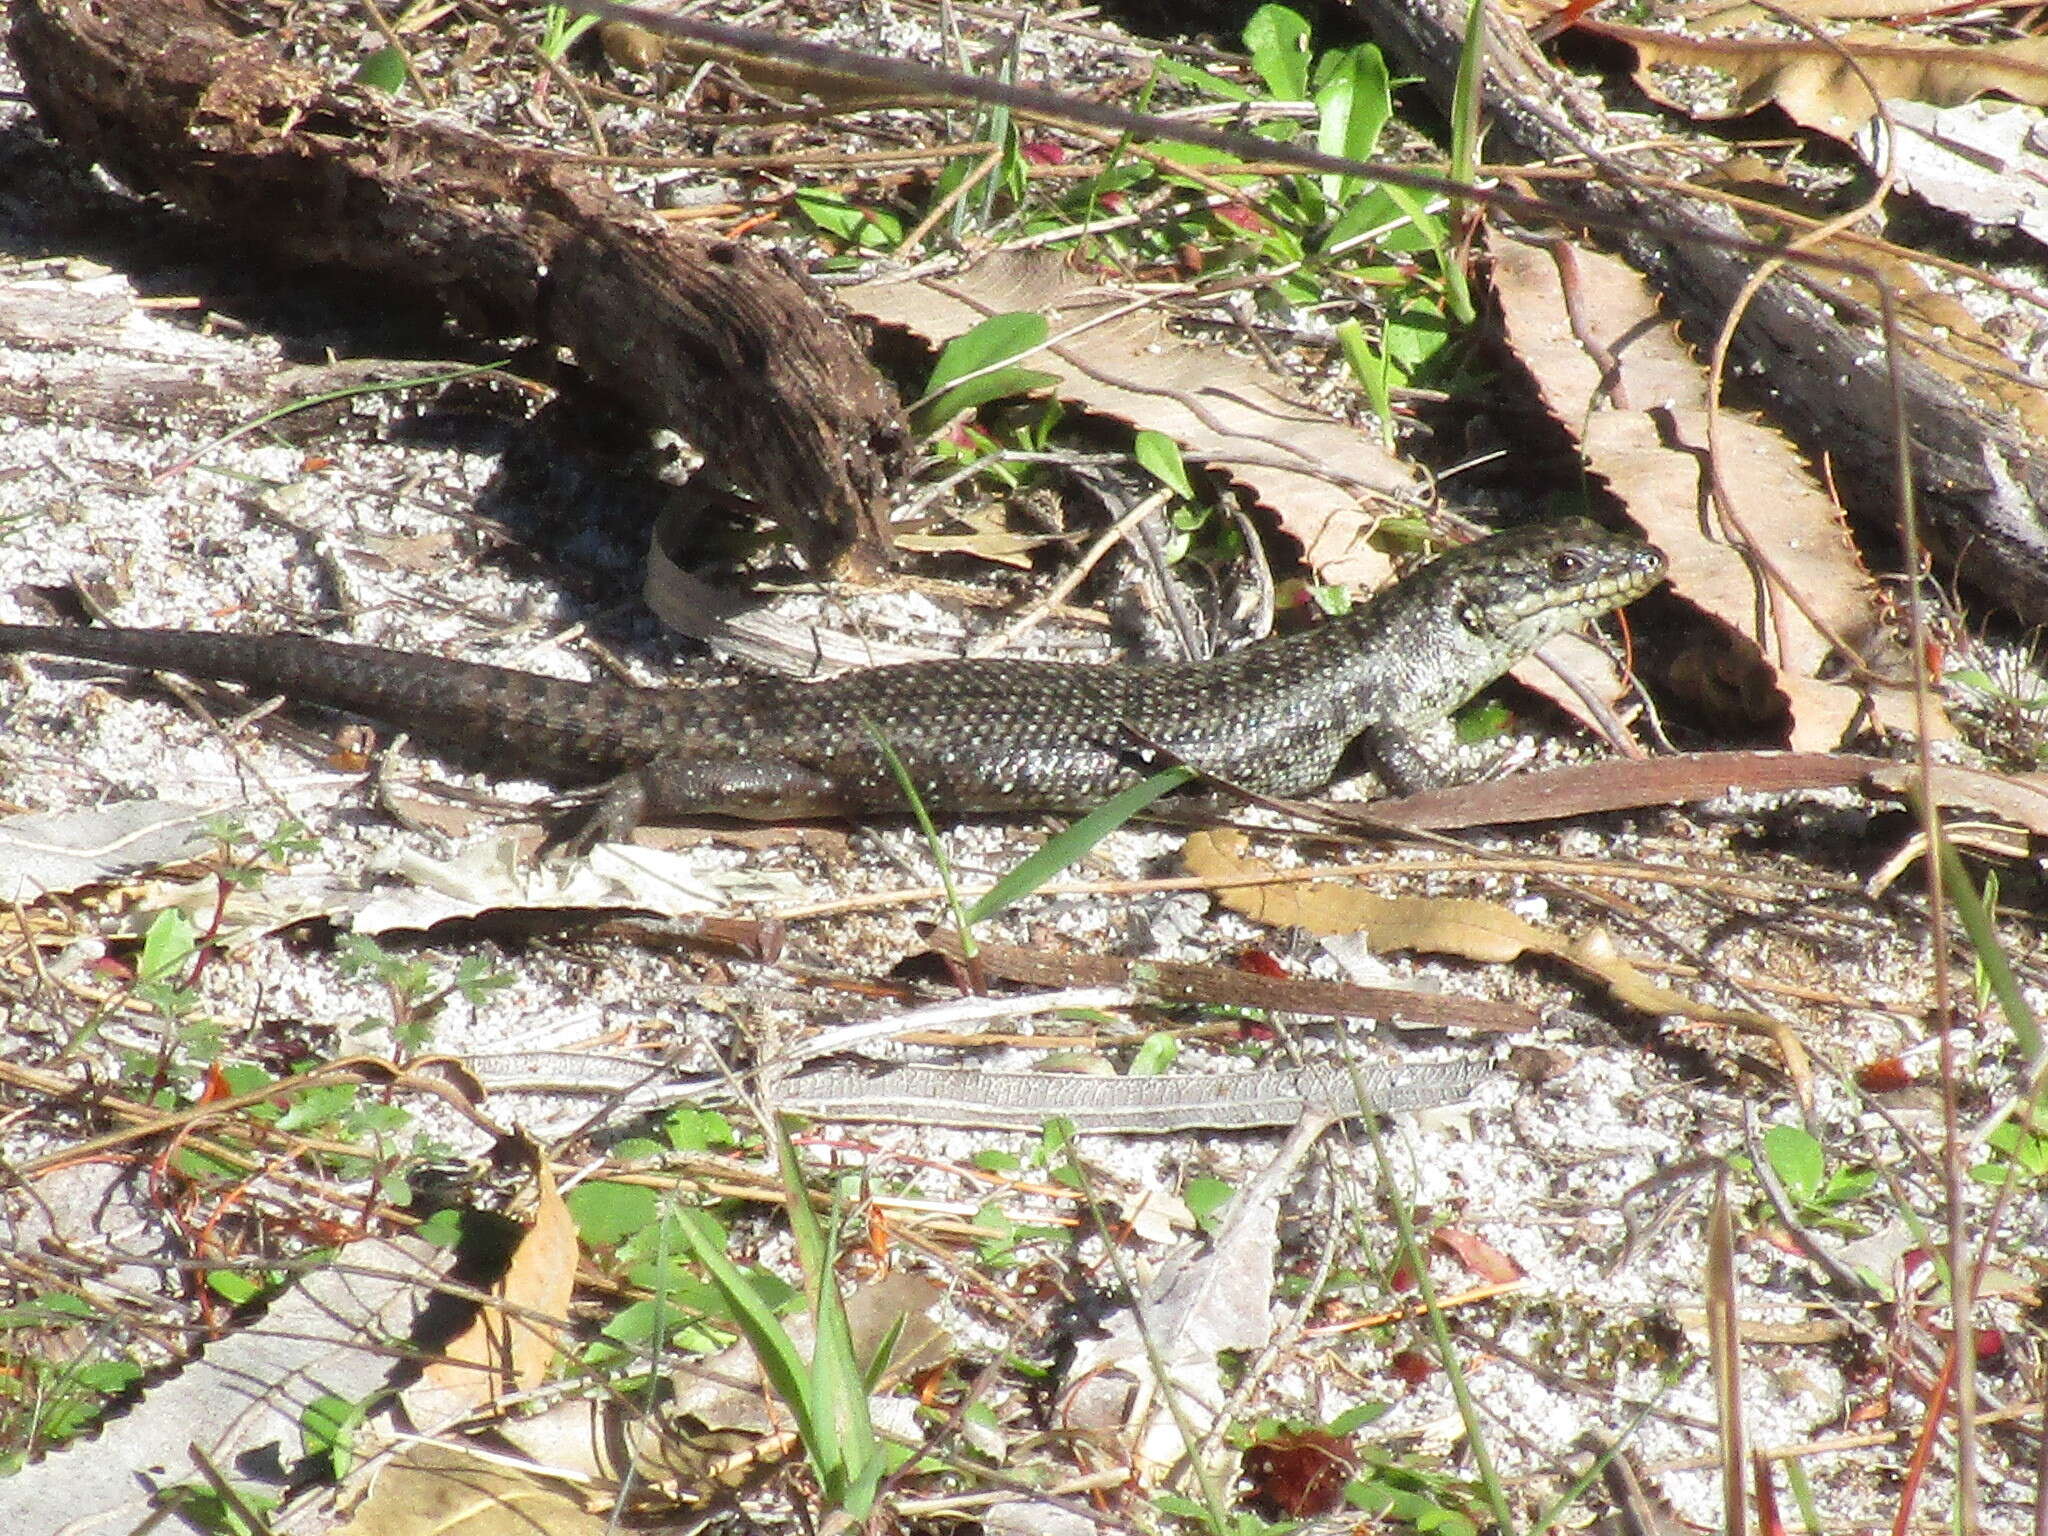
{"x":994,"y":735}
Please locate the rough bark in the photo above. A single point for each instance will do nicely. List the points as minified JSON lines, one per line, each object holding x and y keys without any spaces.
{"x":1980,"y":481}
{"x":711,"y":337}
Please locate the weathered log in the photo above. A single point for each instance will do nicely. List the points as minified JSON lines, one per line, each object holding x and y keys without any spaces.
{"x":711,"y":337}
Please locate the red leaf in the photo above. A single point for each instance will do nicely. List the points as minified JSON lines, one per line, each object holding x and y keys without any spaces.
{"x":1298,"y":1474}
{"x":1477,"y":1255}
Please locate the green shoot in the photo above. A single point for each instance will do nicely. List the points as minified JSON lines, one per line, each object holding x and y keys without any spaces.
{"x":974,"y":369}
{"x":559,"y":29}
{"x":1065,"y":848}
{"x":828,"y":1397}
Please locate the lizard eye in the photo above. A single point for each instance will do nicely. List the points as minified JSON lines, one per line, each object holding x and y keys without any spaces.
{"x":1567,"y":566}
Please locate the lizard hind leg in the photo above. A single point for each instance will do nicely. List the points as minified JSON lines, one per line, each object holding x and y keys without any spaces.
{"x":678,"y":788}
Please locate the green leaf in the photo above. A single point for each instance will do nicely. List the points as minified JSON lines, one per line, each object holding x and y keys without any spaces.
{"x":1201,"y":80}
{"x":385,"y":70}
{"x":1161,"y":455}
{"x":327,"y":1431}
{"x":1277,"y":40}
{"x":844,"y":221}
{"x":1482,"y":721}
{"x":1206,"y":1196}
{"x":1156,"y":1055}
{"x":690,"y":1129}
{"x":47,"y":1310}
{"x":1353,"y":103}
{"x":314,"y":1107}
{"x":781,"y":1366}
{"x":607,"y":1213}
{"x":1064,"y":848}
{"x":169,"y":943}
{"x":978,"y":391}
{"x":235,"y":1285}
{"x":1797,"y":1160}
{"x":994,"y":340}
{"x":1357,"y":1418}
{"x":1374,"y":371}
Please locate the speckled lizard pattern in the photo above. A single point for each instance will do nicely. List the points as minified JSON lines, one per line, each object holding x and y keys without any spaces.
{"x":987,"y":735}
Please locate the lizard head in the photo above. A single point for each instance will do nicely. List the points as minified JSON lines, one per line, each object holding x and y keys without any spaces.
{"x":1518,"y":589}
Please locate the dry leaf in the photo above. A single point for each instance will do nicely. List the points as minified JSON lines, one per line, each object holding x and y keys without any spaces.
{"x":1151,"y":1385}
{"x":1478,"y":1255}
{"x":1987,"y":161}
{"x":709,"y":1433}
{"x":56,"y":852}
{"x":1819,"y":90}
{"x":1727,"y":15}
{"x":509,"y":1348}
{"x":243,"y":1402}
{"x":1325,"y":481}
{"x":1644,"y":432}
{"x":440,"y":1490}
{"x":1460,"y":926}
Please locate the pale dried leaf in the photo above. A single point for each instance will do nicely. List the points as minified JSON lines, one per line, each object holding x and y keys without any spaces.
{"x":241,"y":1403}
{"x":440,"y":1490}
{"x":2021,"y":798}
{"x":499,"y":875}
{"x":1647,"y":438}
{"x":1819,"y":90}
{"x":57,"y":852}
{"x":709,"y":1429}
{"x":109,"y":1208}
{"x":735,"y":624}
{"x":1325,"y":481}
{"x":1467,"y":928}
{"x":1205,"y":1299}
{"x":1727,"y":15}
{"x":1987,"y":161}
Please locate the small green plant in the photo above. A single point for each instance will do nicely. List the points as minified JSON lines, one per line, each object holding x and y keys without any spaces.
{"x":856,"y":227}
{"x":43,"y":1402}
{"x":1819,"y":1193}
{"x":559,"y":29}
{"x":700,"y":1300}
{"x":828,"y":1395}
{"x":1002,"y":1249}
{"x":327,"y":1431}
{"x":240,"y":1512}
{"x":417,"y":995}
{"x":385,"y":70}
{"x":975,"y":368}
{"x":2017,"y":1152}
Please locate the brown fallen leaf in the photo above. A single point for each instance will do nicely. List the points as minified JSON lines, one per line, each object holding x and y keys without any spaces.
{"x":509,"y":1348}
{"x":1726,"y":17}
{"x":1461,"y":926}
{"x":1584,"y":789}
{"x":1325,"y":481}
{"x":1170,"y":981}
{"x":1818,"y":89}
{"x":443,"y":1490}
{"x":1640,"y":412}
{"x":1968,"y":353}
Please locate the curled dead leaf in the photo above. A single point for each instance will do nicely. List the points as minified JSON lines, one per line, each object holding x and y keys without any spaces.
{"x":1819,"y":89}
{"x":1460,"y":926}
{"x":1774,"y":566}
